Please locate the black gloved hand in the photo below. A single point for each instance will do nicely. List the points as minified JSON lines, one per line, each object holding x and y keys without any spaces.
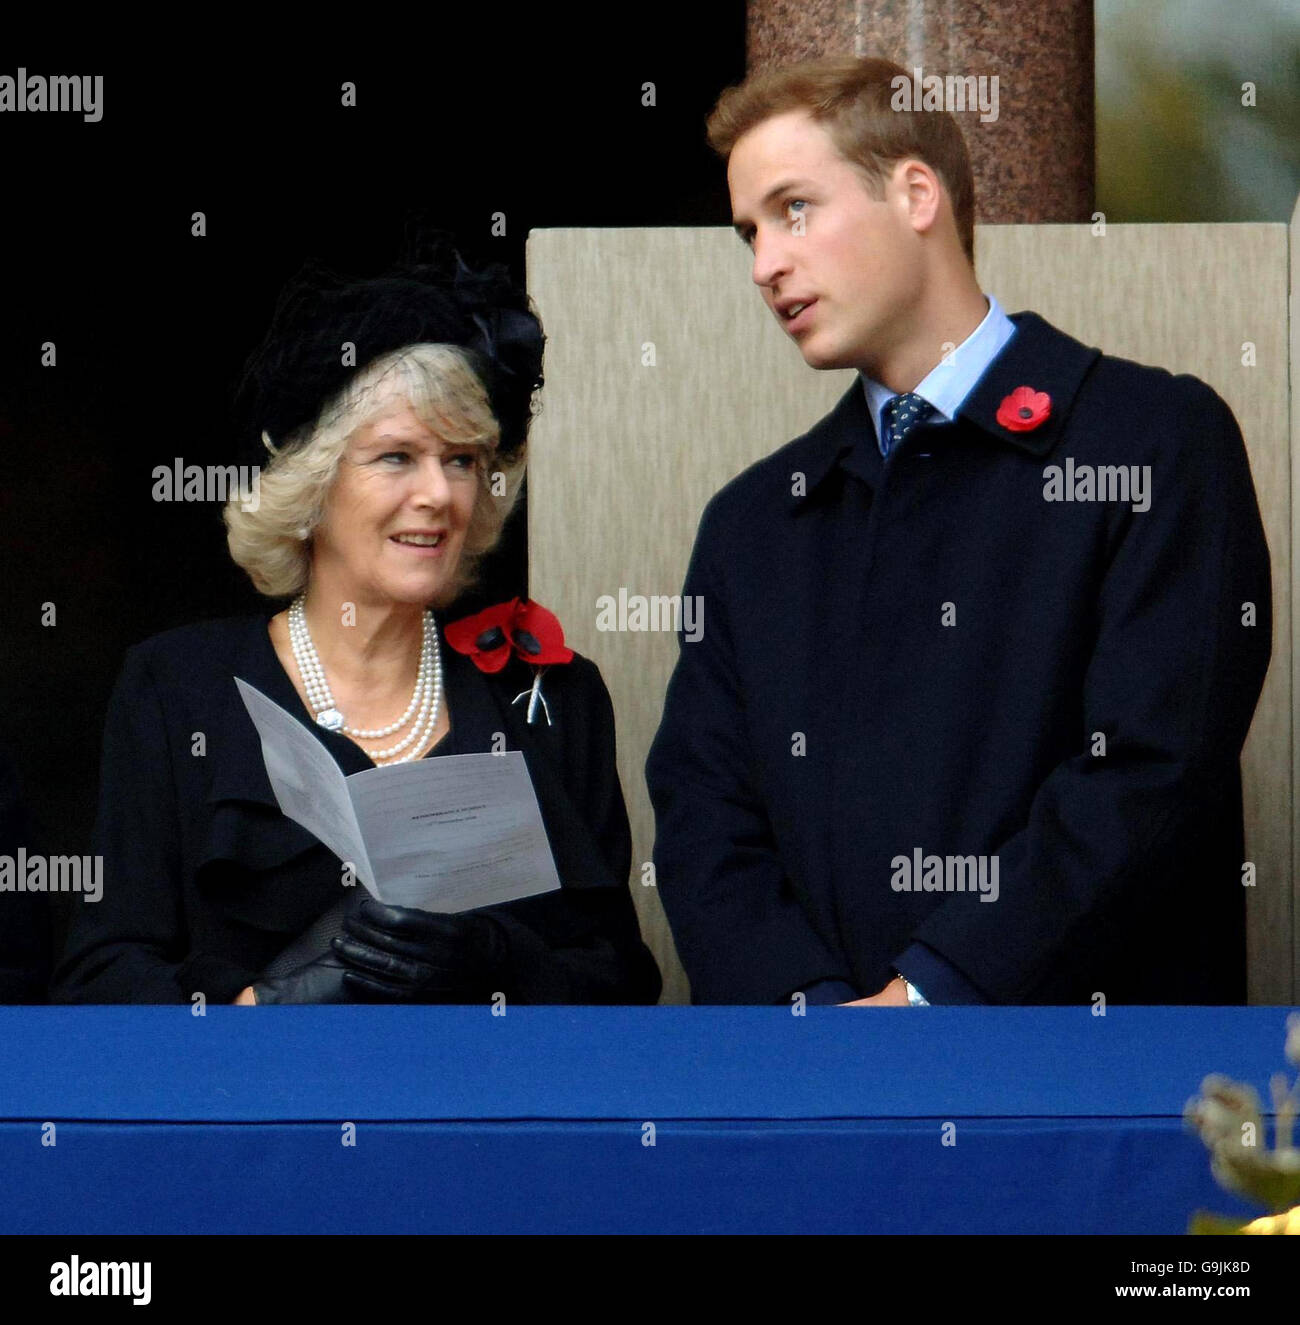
{"x":317,"y":981}
{"x":406,"y":955}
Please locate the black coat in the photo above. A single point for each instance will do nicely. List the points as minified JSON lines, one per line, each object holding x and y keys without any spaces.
{"x":916,"y":656}
{"x":205,"y":880}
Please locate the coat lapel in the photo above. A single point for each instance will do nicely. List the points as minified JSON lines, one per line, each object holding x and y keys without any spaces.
{"x":489,"y":702}
{"x":1037,"y":356}
{"x":244,"y":820}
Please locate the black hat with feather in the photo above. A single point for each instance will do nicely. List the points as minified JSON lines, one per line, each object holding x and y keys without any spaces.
{"x":433,"y":296}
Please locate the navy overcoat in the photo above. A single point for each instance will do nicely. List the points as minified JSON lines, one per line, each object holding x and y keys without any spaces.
{"x":954,"y":662}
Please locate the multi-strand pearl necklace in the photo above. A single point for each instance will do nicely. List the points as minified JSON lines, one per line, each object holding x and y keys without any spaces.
{"x":425,"y":702}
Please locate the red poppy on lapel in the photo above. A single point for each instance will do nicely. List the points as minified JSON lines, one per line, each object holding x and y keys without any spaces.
{"x":522,"y":626}
{"x":1024,"y":409}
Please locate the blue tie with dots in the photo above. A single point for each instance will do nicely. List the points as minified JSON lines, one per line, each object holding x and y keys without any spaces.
{"x":900,"y":415}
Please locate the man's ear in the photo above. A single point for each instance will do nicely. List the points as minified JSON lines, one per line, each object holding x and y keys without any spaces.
{"x":920,"y":186}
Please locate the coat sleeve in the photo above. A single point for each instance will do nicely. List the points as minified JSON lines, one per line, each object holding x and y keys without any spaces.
{"x":1183,"y":636}
{"x":740,"y":930}
{"x":583,"y":944}
{"x":132,"y":945}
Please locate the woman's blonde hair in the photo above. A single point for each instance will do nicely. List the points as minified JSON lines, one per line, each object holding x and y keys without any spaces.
{"x":272,"y":541}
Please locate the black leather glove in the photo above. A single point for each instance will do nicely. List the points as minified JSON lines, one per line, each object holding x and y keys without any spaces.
{"x":309,"y":970}
{"x":405,"y":955}
{"x":317,"y":981}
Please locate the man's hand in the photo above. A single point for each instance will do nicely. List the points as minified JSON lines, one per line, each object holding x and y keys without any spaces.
{"x":893,"y":995}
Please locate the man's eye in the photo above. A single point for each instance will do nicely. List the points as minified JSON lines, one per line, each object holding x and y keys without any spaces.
{"x":795,"y":202}
{"x":463,"y":459}
{"x":399,"y":456}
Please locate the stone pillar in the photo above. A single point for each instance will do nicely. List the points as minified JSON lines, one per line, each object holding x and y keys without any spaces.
{"x":1034,"y":162}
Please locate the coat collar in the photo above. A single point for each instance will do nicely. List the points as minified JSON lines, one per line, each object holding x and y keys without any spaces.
{"x":830,"y":440}
{"x":1038,"y":356}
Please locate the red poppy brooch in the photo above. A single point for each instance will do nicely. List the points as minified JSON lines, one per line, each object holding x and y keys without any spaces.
{"x":1024,"y":409}
{"x":520,"y":627}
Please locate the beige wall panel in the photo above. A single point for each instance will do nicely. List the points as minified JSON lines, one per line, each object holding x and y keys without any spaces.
{"x":665,"y":376}
{"x":625,"y":453}
{"x":1294,"y":310}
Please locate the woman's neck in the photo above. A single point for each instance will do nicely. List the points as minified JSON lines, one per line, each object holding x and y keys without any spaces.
{"x":364,"y":645}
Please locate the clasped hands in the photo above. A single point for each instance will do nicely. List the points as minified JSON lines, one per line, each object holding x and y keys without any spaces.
{"x":400,"y":954}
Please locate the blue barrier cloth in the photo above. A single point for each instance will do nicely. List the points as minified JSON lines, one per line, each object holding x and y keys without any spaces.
{"x":538,"y":1121}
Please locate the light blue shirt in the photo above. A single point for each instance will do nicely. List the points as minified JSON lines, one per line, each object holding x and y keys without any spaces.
{"x":952,"y":379}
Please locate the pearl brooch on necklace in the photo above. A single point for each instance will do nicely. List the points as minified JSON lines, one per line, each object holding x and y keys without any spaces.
{"x":425,"y":703}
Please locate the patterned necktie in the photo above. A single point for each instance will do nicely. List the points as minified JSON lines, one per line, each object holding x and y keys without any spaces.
{"x":900,"y":415}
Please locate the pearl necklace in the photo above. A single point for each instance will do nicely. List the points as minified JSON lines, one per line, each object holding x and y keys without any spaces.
{"x":425,"y":702}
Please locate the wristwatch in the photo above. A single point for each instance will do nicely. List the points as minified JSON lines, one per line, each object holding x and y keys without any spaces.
{"x":915,"y":999}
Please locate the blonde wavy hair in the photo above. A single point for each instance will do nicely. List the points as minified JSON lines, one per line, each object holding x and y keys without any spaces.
{"x":273,"y":543}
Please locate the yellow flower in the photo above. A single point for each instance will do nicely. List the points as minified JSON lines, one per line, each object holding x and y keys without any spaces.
{"x":1288,"y":1222}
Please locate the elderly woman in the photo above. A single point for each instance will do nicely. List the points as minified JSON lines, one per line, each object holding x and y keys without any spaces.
{"x":394,"y":415}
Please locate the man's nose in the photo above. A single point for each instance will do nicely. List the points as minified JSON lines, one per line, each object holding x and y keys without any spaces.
{"x":771,"y":258}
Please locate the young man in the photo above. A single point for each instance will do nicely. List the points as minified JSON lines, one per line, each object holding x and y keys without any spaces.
{"x":983,"y":644}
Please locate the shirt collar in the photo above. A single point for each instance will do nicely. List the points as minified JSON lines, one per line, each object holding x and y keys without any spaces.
{"x":950,"y":381}
{"x":1038,"y":356}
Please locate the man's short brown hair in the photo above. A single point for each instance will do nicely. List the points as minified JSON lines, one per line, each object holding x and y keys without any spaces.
{"x":851,"y":98}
